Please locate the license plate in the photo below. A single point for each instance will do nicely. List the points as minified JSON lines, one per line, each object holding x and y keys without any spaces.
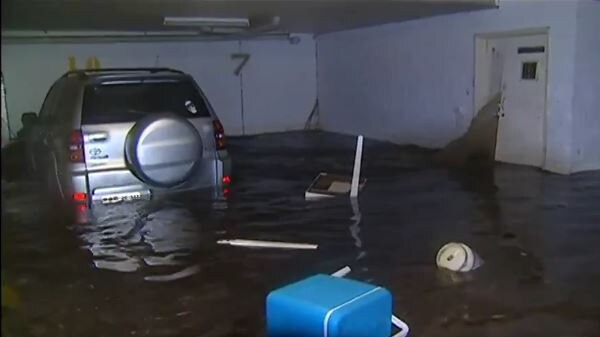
{"x":125,"y":197}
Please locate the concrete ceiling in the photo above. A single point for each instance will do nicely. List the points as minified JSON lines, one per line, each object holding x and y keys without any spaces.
{"x":147,"y":15}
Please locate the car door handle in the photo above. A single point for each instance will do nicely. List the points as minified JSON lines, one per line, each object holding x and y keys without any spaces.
{"x":96,"y":137}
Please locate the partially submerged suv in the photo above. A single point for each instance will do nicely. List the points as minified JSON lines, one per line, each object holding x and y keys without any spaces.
{"x":116,"y":135}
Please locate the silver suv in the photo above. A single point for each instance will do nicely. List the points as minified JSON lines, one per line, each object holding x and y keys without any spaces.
{"x":117,"y":135}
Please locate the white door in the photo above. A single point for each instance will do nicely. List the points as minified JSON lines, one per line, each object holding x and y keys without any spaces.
{"x":520,"y":138}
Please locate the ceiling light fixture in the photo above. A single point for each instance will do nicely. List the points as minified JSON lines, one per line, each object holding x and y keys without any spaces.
{"x":19,"y":34}
{"x":206,"y":21}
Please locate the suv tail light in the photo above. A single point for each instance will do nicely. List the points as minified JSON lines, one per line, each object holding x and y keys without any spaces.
{"x":219,"y":135}
{"x":80,"y":196}
{"x":76,"y":154}
{"x":81,"y":202}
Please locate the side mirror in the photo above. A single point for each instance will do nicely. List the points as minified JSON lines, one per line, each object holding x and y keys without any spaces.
{"x":29,"y":119}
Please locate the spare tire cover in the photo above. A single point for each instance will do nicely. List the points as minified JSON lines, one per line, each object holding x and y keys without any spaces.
{"x":163,"y":149}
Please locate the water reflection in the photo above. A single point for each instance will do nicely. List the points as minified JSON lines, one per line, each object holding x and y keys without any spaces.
{"x":127,"y":237}
{"x":355,"y":228}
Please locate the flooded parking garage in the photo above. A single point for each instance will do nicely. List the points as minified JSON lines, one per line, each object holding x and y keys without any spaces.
{"x":154,"y":268}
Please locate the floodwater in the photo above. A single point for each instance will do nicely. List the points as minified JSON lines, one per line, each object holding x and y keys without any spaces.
{"x":154,"y":268}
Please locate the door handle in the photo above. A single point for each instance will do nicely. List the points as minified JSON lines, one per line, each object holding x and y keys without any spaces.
{"x":96,"y":137}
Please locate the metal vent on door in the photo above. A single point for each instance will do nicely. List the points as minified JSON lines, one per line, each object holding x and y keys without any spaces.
{"x":529,"y":71}
{"x":531,"y":50}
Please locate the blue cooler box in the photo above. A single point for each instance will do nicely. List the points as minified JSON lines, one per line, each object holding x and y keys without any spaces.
{"x":328,"y":306}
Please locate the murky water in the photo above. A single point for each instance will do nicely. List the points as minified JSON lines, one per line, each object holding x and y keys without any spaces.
{"x":154,"y":269}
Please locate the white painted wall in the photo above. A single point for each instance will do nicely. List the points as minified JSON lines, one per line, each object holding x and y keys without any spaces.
{"x":30,"y":69}
{"x":412,"y":82}
{"x":586,"y":99}
{"x":279,"y":92}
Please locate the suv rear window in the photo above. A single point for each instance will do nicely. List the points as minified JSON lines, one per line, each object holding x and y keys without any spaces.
{"x":118,"y":102}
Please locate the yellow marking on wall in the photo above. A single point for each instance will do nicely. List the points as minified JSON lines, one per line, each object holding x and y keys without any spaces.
{"x":72,"y":63}
{"x":92,"y":63}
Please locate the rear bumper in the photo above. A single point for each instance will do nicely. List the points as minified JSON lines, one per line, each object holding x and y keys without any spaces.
{"x":117,"y":186}
{"x":133,"y":193}
{"x":114,"y":189}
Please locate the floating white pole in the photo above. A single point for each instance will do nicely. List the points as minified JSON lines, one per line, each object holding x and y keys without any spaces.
{"x":342,"y":272}
{"x":356,"y":171}
{"x":267,"y":244}
{"x":400,"y":325}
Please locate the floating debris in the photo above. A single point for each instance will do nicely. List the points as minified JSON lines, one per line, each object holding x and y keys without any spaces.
{"x":328,"y":185}
{"x":267,"y":244}
{"x":458,"y":257}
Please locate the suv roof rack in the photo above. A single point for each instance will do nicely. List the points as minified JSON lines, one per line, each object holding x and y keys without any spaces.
{"x":129,"y":70}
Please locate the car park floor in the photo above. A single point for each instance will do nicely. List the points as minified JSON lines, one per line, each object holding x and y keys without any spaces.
{"x":154,"y":269}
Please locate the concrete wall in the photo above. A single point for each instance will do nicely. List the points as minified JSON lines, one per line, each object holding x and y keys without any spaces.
{"x":586,"y":100}
{"x":4,"y":134}
{"x":412,"y":82}
{"x":278,"y":84}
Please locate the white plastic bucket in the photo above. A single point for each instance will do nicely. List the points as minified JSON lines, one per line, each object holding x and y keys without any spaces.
{"x":458,"y":257}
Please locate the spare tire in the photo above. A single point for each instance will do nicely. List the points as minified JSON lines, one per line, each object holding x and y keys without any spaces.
{"x":162,"y":149}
